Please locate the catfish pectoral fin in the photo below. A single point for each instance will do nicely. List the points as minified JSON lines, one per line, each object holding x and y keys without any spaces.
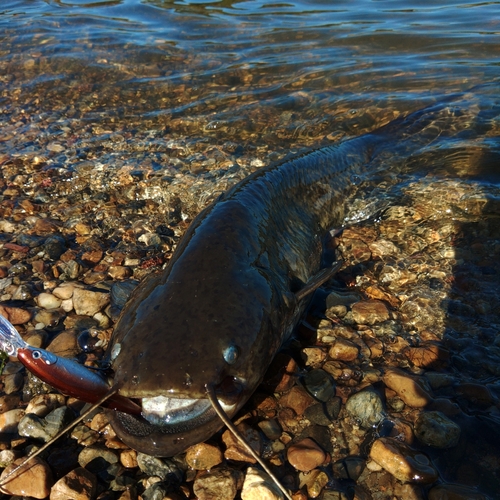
{"x":317,"y":280}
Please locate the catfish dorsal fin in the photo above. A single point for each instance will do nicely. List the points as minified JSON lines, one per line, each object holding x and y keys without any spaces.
{"x":318,"y":279}
{"x":23,"y":466}
{"x":229,"y":424}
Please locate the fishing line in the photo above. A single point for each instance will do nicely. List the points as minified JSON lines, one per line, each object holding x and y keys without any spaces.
{"x":229,"y":424}
{"x":84,"y":415}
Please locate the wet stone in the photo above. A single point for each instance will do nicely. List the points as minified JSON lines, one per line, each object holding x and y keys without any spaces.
{"x":317,"y":415}
{"x":10,"y":419}
{"x":9,"y":402}
{"x":79,"y":484}
{"x":97,"y":455}
{"x":34,"y":481}
{"x":220,"y":484}
{"x":314,"y":482}
{"x":15,"y":315}
{"x":404,"y":463}
{"x":235,"y":450}
{"x":13,"y":383}
{"x":54,"y":246}
{"x":43,"y":404}
{"x":47,"y":301}
{"x":319,"y":384}
{"x":306,"y":455}
{"x":349,"y":468}
{"x":432,"y":428}
{"x":84,"y":435}
{"x":45,"y":429}
{"x":344,"y":350}
{"x":128,"y":458}
{"x":298,"y":399}
{"x":88,"y":302}
{"x":259,"y":486}
{"x":153,"y":466}
{"x":271,"y":429}
{"x":203,"y":456}
{"x":407,"y":388}
{"x":369,"y":312}
{"x":366,"y":407}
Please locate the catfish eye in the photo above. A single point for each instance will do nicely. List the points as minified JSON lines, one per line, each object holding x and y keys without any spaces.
{"x":231,"y":354}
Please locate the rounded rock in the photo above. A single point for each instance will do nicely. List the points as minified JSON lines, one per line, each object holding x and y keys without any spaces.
{"x":259,"y":486}
{"x":10,"y":419}
{"x":366,"y":407}
{"x":404,"y":463}
{"x":435,"y":429}
{"x":35,"y":480}
{"x":47,"y":301}
{"x":319,"y":384}
{"x":407,"y":388}
{"x":369,"y":312}
{"x":306,"y":455}
{"x":344,"y":350}
{"x":203,"y":456}
{"x":221,"y":484}
{"x":79,"y":484}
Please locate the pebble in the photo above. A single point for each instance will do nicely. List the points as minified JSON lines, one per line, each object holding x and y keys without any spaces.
{"x":128,"y":458}
{"x":259,"y":486}
{"x":65,"y":290}
{"x":45,"y":429}
{"x":366,"y":407}
{"x":349,"y":468}
{"x":54,"y":246}
{"x":427,"y":356}
{"x":34,"y":481}
{"x":65,"y":344}
{"x":298,"y":399}
{"x":407,"y":388}
{"x":47,"y":301}
{"x":48,"y":317}
{"x":369,"y":312}
{"x":88,"y":302}
{"x":13,"y":383}
{"x":91,"y":453}
{"x":153,"y":466}
{"x":85,"y":436}
{"x":271,"y":428}
{"x":343,"y":350}
{"x":306,"y":455}
{"x":79,"y":484}
{"x":404,"y":463}
{"x":203,"y":456}
{"x":217,"y":484}
{"x":15,"y":315}
{"x":432,"y":428}
{"x":319,"y":384}
{"x":314,"y":482}
{"x":313,"y":356}
{"x":9,"y":402}
{"x":9,"y":420}
{"x":9,"y":456}
{"x":43,"y":404}
{"x":323,"y":414}
{"x":235,"y":450}
{"x":281,"y":374}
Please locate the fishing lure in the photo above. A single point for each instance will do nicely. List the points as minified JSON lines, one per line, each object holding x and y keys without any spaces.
{"x":65,"y":375}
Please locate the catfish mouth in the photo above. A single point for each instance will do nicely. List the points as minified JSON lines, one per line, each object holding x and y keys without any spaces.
{"x":169,"y":424}
{"x":176,"y":413}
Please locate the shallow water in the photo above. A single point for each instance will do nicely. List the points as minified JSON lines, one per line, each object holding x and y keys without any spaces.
{"x":124,"y":116}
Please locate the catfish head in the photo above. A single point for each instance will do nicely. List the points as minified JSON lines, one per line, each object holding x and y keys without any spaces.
{"x":213,"y":317}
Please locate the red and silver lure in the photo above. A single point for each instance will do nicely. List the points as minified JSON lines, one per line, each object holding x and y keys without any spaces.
{"x":65,"y":375}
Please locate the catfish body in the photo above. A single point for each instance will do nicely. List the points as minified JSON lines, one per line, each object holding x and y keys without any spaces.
{"x":228,"y":299}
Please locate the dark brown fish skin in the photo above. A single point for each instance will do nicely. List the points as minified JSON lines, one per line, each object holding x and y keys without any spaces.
{"x":231,"y":281}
